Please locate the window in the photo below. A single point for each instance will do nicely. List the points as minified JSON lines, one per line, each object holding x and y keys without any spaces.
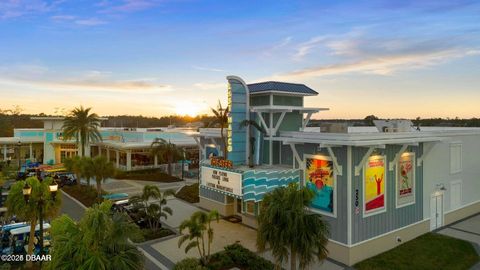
{"x":455,"y":194}
{"x":455,"y":158}
{"x":250,"y":207}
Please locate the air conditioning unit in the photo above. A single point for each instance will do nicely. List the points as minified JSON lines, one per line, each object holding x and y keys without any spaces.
{"x":394,"y":125}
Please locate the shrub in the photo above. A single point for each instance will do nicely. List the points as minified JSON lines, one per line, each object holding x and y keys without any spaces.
{"x":237,"y":256}
{"x":189,"y":264}
{"x":189,"y":193}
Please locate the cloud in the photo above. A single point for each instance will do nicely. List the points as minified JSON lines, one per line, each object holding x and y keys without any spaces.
{"x":38,"y":77}
{"x":208,"y":69}
{"x":18,"y":8}
{"x":63,"y":17}
{"x":304,"y":48}
{"x":90,"y":22}
{"x":382,"y":65}
{"x":127,"y":5}
{"x":210,"y":86}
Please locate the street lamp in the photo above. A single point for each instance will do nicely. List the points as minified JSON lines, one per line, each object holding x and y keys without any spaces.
{"x":19,"y":144}
{"x":27,"y":191}
{"x":183,"y":163}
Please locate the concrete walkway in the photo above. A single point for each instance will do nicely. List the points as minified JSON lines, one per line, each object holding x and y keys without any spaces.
{"x":468,"y":230}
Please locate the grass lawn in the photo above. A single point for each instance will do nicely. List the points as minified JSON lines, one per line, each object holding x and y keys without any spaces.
{"x":154,"y":175}
{"x":429,"y":251}
{"x":189,"y":193}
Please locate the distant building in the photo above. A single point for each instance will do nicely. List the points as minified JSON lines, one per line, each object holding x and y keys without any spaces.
{"x":375,"y":186}
{"x":127,"y":148}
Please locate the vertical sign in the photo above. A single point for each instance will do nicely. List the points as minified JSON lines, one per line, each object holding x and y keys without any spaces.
{"x":320,"y":178}
{"x":238,"y":109}
{"x":374,"y":185}
{"x":406,"y":180}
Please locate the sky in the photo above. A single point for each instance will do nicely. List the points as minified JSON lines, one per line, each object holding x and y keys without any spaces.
{"x":393,"y":59}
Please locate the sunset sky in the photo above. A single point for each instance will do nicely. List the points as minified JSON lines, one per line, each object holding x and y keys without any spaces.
{"x":394,"y":59}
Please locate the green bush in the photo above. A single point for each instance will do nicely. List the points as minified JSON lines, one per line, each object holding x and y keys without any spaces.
{"x":237,"y":256}
{"x":189,"y":193}
{"x":189,"y":264}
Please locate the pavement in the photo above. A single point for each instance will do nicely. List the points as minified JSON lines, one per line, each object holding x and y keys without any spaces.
{"x":467,"y":229}
{"x":164,"y":253}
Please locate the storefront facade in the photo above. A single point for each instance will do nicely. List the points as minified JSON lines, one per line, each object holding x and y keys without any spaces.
{"x":127,"y":148}
{"x":375,"y":189}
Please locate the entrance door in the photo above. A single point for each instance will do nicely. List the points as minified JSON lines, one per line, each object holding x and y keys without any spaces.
{"x":436,"y":210}
{"x":238,"y":206}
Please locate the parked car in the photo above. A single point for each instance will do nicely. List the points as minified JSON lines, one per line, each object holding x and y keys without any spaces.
{"x":65,"y":179}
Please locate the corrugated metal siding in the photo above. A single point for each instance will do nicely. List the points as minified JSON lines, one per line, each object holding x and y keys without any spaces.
{"x":212,"y":195}
{"x":338,"y":225}
{"x":393,"y":218}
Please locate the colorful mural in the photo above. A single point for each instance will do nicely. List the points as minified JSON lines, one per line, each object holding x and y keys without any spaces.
{"x":406,"y":179}
{"x":211,"y":151}
{"x":320,"y":178}
{"x":374,"y":185}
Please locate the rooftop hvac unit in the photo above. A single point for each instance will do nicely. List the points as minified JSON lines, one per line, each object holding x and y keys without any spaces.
{"x":394,"y":125}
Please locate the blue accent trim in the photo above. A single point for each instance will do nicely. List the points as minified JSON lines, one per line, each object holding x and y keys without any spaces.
{"x":256,"y":183}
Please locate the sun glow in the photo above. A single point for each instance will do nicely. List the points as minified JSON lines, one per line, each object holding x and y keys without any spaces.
{"x":188,"y":108}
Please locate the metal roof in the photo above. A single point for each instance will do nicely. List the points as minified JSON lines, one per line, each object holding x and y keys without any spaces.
{"x":290,"y":88}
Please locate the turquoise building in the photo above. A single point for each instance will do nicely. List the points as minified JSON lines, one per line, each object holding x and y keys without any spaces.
{"x":127,"y":148}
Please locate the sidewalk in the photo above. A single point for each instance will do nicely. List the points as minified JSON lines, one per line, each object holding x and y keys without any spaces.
{"x":468,"y":230}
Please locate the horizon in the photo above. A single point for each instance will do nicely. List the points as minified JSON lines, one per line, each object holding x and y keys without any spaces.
{"x":153,"y":58}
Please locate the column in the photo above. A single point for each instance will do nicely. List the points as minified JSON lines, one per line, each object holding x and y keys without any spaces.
{"x":129,"y":160}
{"x":155,"y":160}
{"x":108,"y":154}
{"x":270,"y":150}
{"x":31,"y":152}
{"x":4,"y":152}
{"x":117,"y":156}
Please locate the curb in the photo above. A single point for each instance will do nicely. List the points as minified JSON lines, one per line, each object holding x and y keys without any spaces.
{"x":73,"y":199}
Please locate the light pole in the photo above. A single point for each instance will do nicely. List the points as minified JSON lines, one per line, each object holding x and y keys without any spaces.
{"x":19,"y":144}
{"x":27,"y":191}
{"x":183,"y":163}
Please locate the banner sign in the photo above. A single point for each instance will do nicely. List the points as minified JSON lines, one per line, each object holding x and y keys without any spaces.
{"x":320,"y":178}
{"x":406,"y":179}
{"x":374,"y":185}
{"x":238,"y":110}
{"x":221,"y":180}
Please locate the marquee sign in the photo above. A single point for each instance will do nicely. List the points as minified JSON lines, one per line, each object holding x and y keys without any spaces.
{"x":224,"y":181}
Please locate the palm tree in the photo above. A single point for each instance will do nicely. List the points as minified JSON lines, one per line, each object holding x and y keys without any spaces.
{"x":288,"y":228}
{"x":87,"y":169}
{"x":101,"y":169}
{"x":74,"y":164}
{"x":221,"y":119}
{"x":152,"y":211}
{"x":83,"y":126}
{"x":251,"y":123}
{"x":167,"y":151}
{"x":29,"y":211}
{"x":98,"y":241}
{"x":200,"y":233}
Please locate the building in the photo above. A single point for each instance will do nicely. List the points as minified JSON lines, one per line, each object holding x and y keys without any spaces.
{"x":377,"y":187}
{"x":127,"y":148}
